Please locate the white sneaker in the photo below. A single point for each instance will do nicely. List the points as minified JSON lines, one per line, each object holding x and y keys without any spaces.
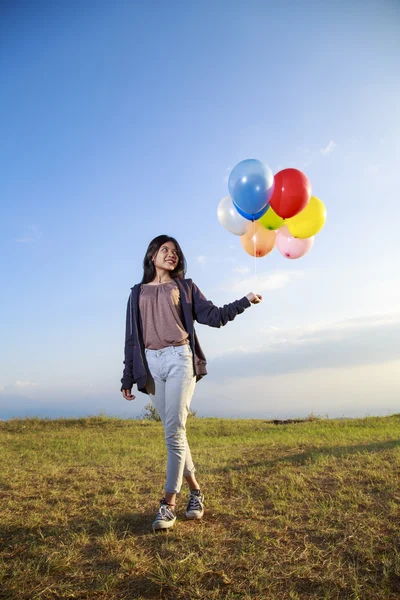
{"x":195,"y":506}
{"x":165,"y":518}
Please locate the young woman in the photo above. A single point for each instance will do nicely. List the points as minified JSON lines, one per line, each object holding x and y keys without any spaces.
{"x":164,"y":358}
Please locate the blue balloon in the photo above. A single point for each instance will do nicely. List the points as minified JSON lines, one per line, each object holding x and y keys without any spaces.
{"x":251,"y":184}
{"x":254,"y":217}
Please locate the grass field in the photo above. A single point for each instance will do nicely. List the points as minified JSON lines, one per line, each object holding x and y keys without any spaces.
{"x":303,"y":510}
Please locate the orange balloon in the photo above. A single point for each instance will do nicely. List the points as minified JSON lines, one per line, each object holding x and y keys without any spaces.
{"x":258,"y":241}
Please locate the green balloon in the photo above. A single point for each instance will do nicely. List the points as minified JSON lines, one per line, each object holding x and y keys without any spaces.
{"x":271,"y":220}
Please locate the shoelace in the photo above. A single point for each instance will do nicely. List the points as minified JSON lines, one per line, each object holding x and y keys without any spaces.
{"x":194,"y":502}
{"x":164,"y":514}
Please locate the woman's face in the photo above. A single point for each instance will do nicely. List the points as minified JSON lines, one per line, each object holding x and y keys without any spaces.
{"x":167,"y":257}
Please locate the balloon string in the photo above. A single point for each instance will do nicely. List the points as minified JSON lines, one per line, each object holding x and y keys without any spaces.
{"x":255,"y":254}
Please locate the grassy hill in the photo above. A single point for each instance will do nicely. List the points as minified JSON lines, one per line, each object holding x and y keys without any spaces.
{"x":301,"y":510}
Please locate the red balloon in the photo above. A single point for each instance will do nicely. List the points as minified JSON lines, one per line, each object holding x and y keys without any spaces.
{"x":291,"y":194}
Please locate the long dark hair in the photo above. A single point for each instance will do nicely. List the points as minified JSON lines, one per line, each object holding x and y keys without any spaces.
{"x":149,"y":271}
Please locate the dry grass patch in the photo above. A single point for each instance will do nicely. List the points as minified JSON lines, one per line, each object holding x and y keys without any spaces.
{"x":302,"y":510}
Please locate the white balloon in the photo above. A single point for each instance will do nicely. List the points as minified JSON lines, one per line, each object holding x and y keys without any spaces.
{"x":229,"y":217}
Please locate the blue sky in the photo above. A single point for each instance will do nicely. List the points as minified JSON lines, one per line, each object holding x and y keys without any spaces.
{"x":121,"y":121}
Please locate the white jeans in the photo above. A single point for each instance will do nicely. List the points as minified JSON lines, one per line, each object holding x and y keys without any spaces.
{"x":171,"y":389}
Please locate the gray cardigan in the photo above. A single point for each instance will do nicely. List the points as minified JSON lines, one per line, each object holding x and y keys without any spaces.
{"x":195,"y":306}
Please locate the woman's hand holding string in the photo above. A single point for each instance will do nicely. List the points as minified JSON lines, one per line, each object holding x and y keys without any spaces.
{"x":254,"y":298}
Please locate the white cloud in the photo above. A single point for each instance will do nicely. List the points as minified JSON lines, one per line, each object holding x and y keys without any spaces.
{"x":34,"y":236}
{"x":343,"y":344}
{"x":268,"y":282}
{"x":17,"y":386}
{"x":329,"y":148}
{"x":326,"y":332}
{"x":240,"y":349}
{"x":390,"y":288}
{"x":349,"y":391}
{"x":242,"y":270}
{"x":202,"y":260}
{"x":24,"y":384}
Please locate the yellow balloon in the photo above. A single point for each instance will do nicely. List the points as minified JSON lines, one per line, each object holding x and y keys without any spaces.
{"x":309,"y":221}
{"x":271,"y":220}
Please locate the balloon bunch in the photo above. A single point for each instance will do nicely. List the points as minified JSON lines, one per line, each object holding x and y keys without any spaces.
{"x":268,"y":211}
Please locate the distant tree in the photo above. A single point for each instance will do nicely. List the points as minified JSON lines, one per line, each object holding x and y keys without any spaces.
{"x":150,"y":413}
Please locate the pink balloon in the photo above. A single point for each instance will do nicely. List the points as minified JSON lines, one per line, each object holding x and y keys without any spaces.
{"x":291,"y":247}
